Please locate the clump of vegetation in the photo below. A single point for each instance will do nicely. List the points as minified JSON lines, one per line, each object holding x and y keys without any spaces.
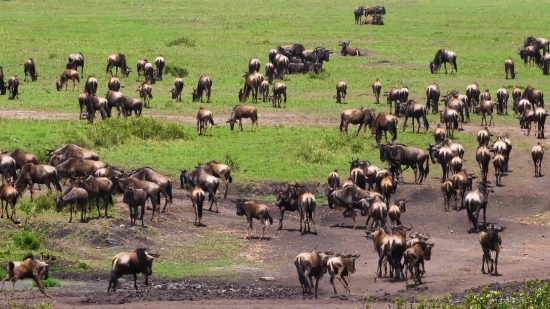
{"x":231,"y":162}
{"x":182,"y":41}
{"x":27,"y":240}
{"x":49,"y":283}
{"x":175,"y":71}
{"x":321,"y":75}
{"x":311,"y":153}
{"x":46,"y":202}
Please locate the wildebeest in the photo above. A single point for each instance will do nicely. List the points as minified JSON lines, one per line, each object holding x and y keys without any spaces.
{"x":394,"y":96}
{"x":8,"y":167}
{"x":546,"y":64}
{"x":395,"y":211}
{"x":341,"y":267}
{"x":96,"y":104}
{"x":310,"y":265}
{"x":251,"y":85}
{"x":149,"y":73}
{"x":341,"y":90}
{"x":363,"y":116}
{"x":432,"y":98}
{"x":159,"y":64}
{"x":140,"y":68}
{"x":285,"y":202}
{"x":450,"y":118}
{"x":254,"y":210}
{"x":254,"y":65}
{"x":281,"y":63}
{"x":135,"y":198}
{"x":503,"y":145}
{"x":117,"y":61}
{"x":498,"y":164}
{"x":306,"y":201}
{"x":509,"y":68}
{"x":239,"y":112}
{"x":41,"y":174}
{"x":71,"y":197}
{"x":483,"y":137}
{"x":534,"y":95}
{"x":204,"y":84}
{"x":114,"y":84}
{"x":60,"y":155}
{"x":178,"y":89}
{"x":98,"y":188}
{"x":152,"y":189}
{"x":530,"y":54}
{"x":28,"y":268}
{"x":384,"y":123}
{"x":456,"y":164}
{"x":502,"y":100}
{"x":75,"y":61}
{"x":9,"y":195}
{"x":415,"y":111}
{"x":13,"y":87}
{"x":347,"y":199}
{"x":146,"y":93}
{"x":486,"y":108}
{"x":537,"y":153}
{"x":219,"y":170}
{"x":30,"y":70}
{"x":200,"y":178}
{"x":540,"y":43}
{"x":297,"y":68}
{"x":404,"y":94}
{"x":380,"y":10}
{"x":21,"y":158}
{"x":164,"y":183}
{"x":483,"y":157}
{"x":114,"y":99}
{"x":289,"y":51}
{"x":333,"y":180}
{"x":65,"y":76}
{"x":439,"y":134}
{"x":270,"y":72}
{"x":91,"y":85}
{"x":376,"y":89}
{"x":130,"y":105}
{"x":486,"y":95}
{"x":204,"y":116}
{"x":108,"y":172}
{"x":2,"y":85}
{"x":279,"y":93}
{"x":358,"y":12}
{"x":516,"y":96}
{"x":443,"y":57}
{"x":448,"y":191}
{"x":375,"y":20}
{"x":540,"y":114}
{"x":346,"y":50}
{"x":83,"y":99}
{"x":264,"y":90}
{"x":197,"y":198}
{"x":399,"y":155}
{"x":458,"y":102}
{"x":473,"y":93}
{"x":490,"y":241}
{"x":443,"y":155}
{"x":126,"y":263}
{"x":78,"y":167}
{"x":476,"y":201}
{"x":415,"y":256}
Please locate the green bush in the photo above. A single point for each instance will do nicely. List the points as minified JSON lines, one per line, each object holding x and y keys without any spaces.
{"x":175,"y":71}
{"x":231,"y":162}
{"x":46,"y":202}
{"x":181,"y":41}
{"x":27,"y":240}
{"x":49,"y":283}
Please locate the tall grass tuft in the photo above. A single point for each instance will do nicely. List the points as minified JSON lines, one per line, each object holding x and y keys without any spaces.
{"x":175,"y":71}
{"x":182,"y":41}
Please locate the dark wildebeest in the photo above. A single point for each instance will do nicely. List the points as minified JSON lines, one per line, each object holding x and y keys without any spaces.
{"x":41,"y":174}
{"x":442,"y":57}
{"x":114,"y":99}
{"x":270,"y":72}
{"x":281,"y":63}
{"x":251,"y":85}
{"x":114,"y":84}
{"x":96,"y":104}
{"x":264,"y":90}
{"x":393,"y":96}
{"x":200,"y":178}
{"x":409,"y":156}
{"x":306,"y":201}
{"x":135,"y":198}
{"x":21,"y":157}
{"x":204,"y":116}
{"x":341,"y":89}
{"x":149,"y":73}
{"x":117,"y":61}
{"x":178,"y":89}
{"x":30,"y":70}
{"x":254,"y":65}
{"x":204,"y":84}
{"x":71,"y":197}
{"x":2,"y":85}
{"x":476,"y":201}
{"x":413,"y":110}
{"x":309,"y":265}
{"x":530,"y":54}
{"x":290,"y":51}
{"x":140,"y":68}
{"x":219,"y":170}
{"x":254,"y":210}
{"x":384,"y":123}
{"x":362,"y":116}
{"x":376,"y":89}
{"x":490,"y":241}
{"x":546,"y":64}
{"x":152,"y":190}
{"x":443,"y":155}
{"x":346,"y":50}
{"x":509,"y":68}
{"x":457,"y":102}
{"x":537,"y":153}
{"x":164,"y":183}
{"x":75,"y":61}
{"x":540,"y":114}
{"x":486,"y":95}
{"x":159,"y":64}
{"x":98,"y":188}
{"x":286,"y":203}
{"x":130,"y":105}
{"x":125,"y":263}
{"x":432,"y":98}
{"x":279,"y":93}
{"x":13,"y":87}
{"x":65,"y":76}
{"x":502,"y":99}
{"x":146,"y":93}
{"x":486,"y":108}
{"x":404,"y":94}
{"x":358,"y":12}
{"x":534,"y":95}
{"x":297,"y":68}
{"x":83,"y":99}
{"x":540,"y":43}
{"x":375,"y":20}
{"x":483,"y":157}
{"x":239,"y":112}
{"x":516,"y":96}
{"x":473,"y":93}
{"x":375,"y":10}
{"x":78,"y":167}
{"x":62,"y":154}
{"x":91,"y":85}
{"x":197,"y":198}
{"x":28,"y":268}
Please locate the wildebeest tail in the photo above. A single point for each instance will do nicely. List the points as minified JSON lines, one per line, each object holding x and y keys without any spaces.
{"x":341,"y":122}
{"x":471,"y":216}
{"x":158,"y":197}
{"x":11,"y":266}
{"x":302,"y":274}
{"x":456,"y":67}
{"x":426,"y":123}
{"x":229,"y":178}
{"x":427,"y":167}
{"x":107,"y":69}
{"x":269,"y":218}
{"x":211,"y":120}
{"x":112,"y":281}
{"x":332,"y":274}
{"x":169,"y":191}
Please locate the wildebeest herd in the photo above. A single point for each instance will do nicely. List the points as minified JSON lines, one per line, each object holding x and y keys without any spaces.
{"x":368,"y":189}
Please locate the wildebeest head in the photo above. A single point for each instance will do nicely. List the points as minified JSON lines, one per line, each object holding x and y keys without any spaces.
{"x":183,"y":178}
{"x":344,"y":47}
{"x":283,"y":197}
{"x":402,"y":205}
{"x":128,"y":193}
{"x":59,"y":204}
{"x":240,"y":207}
{"x":59,"y":85}
{"x":145,"y":260}
{"x":354,"y":163}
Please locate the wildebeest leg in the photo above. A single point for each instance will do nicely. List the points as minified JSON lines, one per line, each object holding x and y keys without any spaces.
{"x":316,"y":285}
{"x":97,"y":205}
{"x":496,"y":263}
{"x":445,"y":64}
{"x":359,"y":130}
{"x":281,"y":216}
{"x":405,"y":123}
{"x":312,"y":218}
{"x":38,"y":284}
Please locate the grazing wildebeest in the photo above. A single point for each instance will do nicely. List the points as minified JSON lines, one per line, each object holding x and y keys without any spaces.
{"x":114,"y":84}
{"x":204,"y":84}
{"x":71,"y":197}
{"x":178,"y":89}
{"x":540,"y":43}
{"x":490,"y":241}
{"x":28,"y":268}
{"x":9,"y":195}
{"x":279,"y":93}
{"x":135,"y":198}
{"x":270,"y":72}
{"x":309,"y":265}
{"x":358,"y":12}
{"x":384,"y":123}
{"x":200,"y":178}
{"x":41,"y":174}
{"x":165,"y":183}
{"x":219,"y":170}
{"x":341,"y":89}
{"x":98,"y":188}
{"x":341,"y":267}
{"x":149,"y":73}
{"x":152,"y":189}
{"x":140,"y":68}
{"x":159,"y":64}
{"x":126,"y":263}
{"x":394,"y":95}
{"x":476,"y":201}
{"x":376,"y":89}
{"x":432,"y":98}
{"x":8,"y":167}
{"x":346,"y":50}
{"x":439,"y":133}
{"x":251,"y":85}
{"x":62,"y":154}
{"x":534,"y":95}
{"x":146,"y":93}
{"x":75,"y":61}
{"x":537,"y":153}
{"x":239,"y":112}
{"x":204,"y":116}
{"x":91,"y":85}
{"x":362,"y":116}
{"x":442,"y":57}
{"x":2,"y":85}
{"x":486,"y":95}
{"x":13,"y":87}
{"x":117,"y":61}
{"x":473,"y":93}
{"x":254,"y":65}
{"x":130,"y":105}
{"x":96,"y":104}
{"x":65,"y":76}
{"x":502,"y":100}
{"x":509,"y":68}
{"x":254,"y":210}
{"x":413,"y":110}
{"x":30,"y":70}
{"x":530,"y":54}
{"x":197,"y":198}
{"x":281,"y":63}
{"x":409,"y":156}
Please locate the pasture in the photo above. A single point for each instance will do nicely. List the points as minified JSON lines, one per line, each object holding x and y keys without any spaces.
{"x":300,"y":143}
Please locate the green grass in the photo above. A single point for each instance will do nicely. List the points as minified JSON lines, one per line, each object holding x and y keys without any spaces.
{"x":49,"y":283}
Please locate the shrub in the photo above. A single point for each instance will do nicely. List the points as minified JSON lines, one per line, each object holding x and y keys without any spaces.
{"x":49,"y":283}
{"x":27,"y":240}
{"x":231,"y":162}
{"x":182,"y":41}
{"x":322,"y":75}
{"x":175,"y":71}
{"x":46,"y":202}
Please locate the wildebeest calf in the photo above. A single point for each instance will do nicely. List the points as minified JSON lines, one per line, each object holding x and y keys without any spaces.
{"x":254,"y":210}
{"x":28,"y":268}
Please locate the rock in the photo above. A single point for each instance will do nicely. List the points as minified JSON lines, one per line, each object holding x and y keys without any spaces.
{"x":267,"y":279}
